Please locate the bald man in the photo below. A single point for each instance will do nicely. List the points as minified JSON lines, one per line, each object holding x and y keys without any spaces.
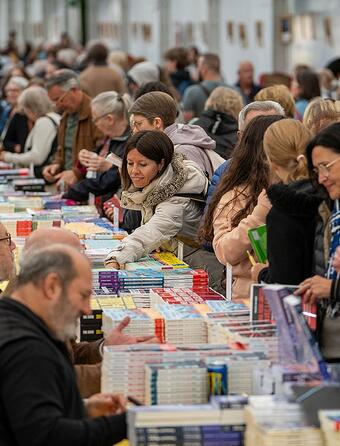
{"x":246,"y":82}
{"x":87,"y":355}
{"x":40,"y":403}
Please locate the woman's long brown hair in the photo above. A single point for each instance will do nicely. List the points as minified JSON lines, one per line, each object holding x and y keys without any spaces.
{"x":248,"y":171}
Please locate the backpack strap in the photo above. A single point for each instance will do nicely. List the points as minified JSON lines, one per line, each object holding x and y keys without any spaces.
{"x":205,"y":90}
{"x":199,"y":198}
{"x":53,"y":121}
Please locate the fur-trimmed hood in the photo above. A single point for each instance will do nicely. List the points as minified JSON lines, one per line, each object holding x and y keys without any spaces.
{"x":181,"y":176}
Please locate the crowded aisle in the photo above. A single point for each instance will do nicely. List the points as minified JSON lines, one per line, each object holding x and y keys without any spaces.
{"x":170,"y":251}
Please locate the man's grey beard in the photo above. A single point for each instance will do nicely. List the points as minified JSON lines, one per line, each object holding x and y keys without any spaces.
{"x":10,"y":274}
{"x":64,"y":319}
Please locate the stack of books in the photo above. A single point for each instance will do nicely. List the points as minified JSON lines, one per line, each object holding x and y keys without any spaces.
{"x":29,"y":184}
{"x":144,"y":322}
{"x":6,"y":207}
{"x":137,"y":298}
{"x":25,"y":203}
{"x":179,"y":425}
{"x":80,"y":212}
{"x":23,"y":172}
{"x":97,"y":250}
{"x":91,"y":325}
{"x":183,"y":324}
{"x":123,"y":366}
{"x":169,"y":260}
{"x":18,"y":223}
{"x":105,"y":277}
{"x":82,"y":228}
{"x":140,"y":278}
{"x":56,"y":202}
{"x":176,"y":383}
{"x":46,"y":218}
{"x":178,"y":278}
{"x":330,"y":426}
{"x":186,"y":296}
{"x":161,"y":261}
{"x":200,"y":280}
{"x":274,"y":421}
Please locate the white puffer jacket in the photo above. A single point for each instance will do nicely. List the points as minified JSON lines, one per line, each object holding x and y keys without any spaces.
{"x":164,"y":214}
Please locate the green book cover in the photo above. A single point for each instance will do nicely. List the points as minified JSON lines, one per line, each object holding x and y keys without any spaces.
{"x":258,"y":240}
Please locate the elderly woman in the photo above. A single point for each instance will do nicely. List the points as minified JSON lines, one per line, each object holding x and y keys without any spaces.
{"x":219,"y":119}
{"x":160,"y":184}
{"x":110,"y":115}
{"x":323,"y":156}
{"x":16,"y":126}
{"x":42,"y":139}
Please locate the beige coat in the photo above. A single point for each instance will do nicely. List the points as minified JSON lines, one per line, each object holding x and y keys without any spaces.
{"x":230,"y":243}
{"x":165,"y":214}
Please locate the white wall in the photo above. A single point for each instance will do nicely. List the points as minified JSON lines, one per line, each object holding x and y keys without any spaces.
{"x":34,"y":21}
{"x":189,"y":23}
{"x":4,"y":22}
{"x":109,"y":22}
{"x":144,"y":16}
{"x":315,"y":50}
{"x":232,"y":52}
{"x":55,"y":20}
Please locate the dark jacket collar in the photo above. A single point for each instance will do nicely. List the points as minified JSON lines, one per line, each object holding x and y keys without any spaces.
{"x":34,"y":323}
{"x":296,"y":198}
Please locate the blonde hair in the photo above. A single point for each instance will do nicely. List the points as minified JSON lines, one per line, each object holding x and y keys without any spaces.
{"x":36,"y":100}
{"x":112,"y":102}
{"x":284,"y":143}
{"x":225,"y":100}
{"x":320,"y":113}
{"x":281,"y":94}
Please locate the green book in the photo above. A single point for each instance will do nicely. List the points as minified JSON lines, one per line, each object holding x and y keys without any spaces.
{"x":258,"y":240}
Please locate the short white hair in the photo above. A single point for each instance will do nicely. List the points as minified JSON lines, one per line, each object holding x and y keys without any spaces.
{"x":112,"y":102}
{"x":36,"y":100}
{"x":264,"y":106}
{"x":18,"y":81}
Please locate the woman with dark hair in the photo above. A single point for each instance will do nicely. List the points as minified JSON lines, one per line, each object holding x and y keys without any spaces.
{"x":305,"y":86}
{"x":240,"y":203}
{"x":158,"y":182}
{"x":323,"y":156}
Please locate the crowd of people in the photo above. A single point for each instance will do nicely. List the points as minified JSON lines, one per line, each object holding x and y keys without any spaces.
{"x":191,"y":160}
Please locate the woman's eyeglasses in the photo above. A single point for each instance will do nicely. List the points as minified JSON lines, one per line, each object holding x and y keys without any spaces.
{"x":325,"y":168}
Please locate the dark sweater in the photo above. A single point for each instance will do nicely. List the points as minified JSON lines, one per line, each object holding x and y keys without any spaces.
{"x":222,"y":128}
{"x":39,"y":400}
{"x":16,"y":133}
{"x":291,"y":224}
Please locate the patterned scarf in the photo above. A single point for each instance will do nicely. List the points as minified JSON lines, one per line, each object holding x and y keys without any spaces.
{"x":335,"y":240}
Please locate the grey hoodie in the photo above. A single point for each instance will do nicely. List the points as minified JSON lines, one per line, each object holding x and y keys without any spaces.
{"x":193,"y":142}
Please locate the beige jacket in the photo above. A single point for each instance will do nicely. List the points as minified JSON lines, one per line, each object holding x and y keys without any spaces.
{"x":165,"y":214}
{"x":230,"y":243}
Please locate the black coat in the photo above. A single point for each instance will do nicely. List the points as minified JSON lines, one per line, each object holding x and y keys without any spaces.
{"x":291,"y":225}
{"x":40,"y":403}
{"x":222,"y":128}
{"x":16,"y":133}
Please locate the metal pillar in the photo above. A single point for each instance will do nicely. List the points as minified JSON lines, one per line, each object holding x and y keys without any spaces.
{"x":164,"y":8}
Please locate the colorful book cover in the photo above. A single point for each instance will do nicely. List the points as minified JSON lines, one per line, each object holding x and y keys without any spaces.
{"x":258,"y":240}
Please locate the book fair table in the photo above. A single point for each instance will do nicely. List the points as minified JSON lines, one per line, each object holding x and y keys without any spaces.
{"x":223,"y":373}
